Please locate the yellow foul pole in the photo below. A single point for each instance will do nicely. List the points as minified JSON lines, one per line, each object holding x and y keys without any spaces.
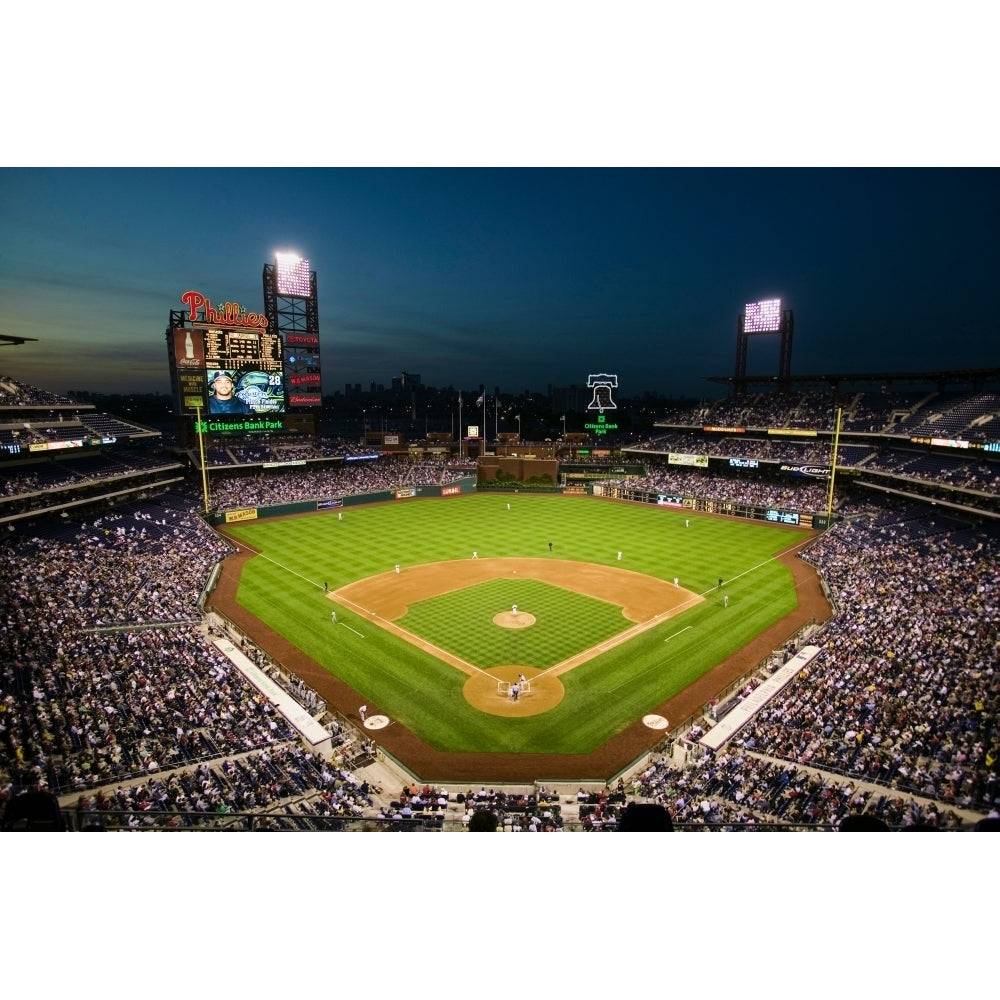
{"x":833,"y":469}
{"x":199,"y":427}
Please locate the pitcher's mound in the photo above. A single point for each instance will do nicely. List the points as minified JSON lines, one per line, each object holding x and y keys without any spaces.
{"x":507,"y":620}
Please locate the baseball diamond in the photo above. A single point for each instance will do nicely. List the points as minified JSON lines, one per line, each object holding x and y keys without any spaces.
{"x":649,"y":601}
{"x":574,"y":612}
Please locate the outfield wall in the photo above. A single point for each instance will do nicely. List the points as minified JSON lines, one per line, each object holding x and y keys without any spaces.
{"x":467,"y":484}
{"x":683,"y":501}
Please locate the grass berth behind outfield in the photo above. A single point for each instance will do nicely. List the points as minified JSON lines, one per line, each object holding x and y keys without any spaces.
{"x":283,"y":587}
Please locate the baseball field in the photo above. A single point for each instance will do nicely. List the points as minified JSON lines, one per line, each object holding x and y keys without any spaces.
{"x":610,"y":612}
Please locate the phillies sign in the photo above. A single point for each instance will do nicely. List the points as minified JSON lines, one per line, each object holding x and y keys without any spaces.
{"x":200,"y":310}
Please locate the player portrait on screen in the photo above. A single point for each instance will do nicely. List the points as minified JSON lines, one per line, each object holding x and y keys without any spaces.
{"x":245,"y":390}
{"x":222,"y":397}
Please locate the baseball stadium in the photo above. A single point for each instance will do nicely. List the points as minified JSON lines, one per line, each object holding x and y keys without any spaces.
{"x":772,"y":611}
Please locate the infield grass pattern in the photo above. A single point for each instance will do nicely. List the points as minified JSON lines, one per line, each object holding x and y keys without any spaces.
{"x":284,"y":588}
{"x":565,"y":623}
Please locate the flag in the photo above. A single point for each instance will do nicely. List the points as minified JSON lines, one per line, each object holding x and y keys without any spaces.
{"x":481,"y":400}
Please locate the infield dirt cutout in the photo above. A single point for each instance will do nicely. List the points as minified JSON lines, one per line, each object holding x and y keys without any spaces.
{"x":644,"y":600}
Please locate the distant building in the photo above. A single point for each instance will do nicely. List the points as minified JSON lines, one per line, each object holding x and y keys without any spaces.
{"x":405,"y":381}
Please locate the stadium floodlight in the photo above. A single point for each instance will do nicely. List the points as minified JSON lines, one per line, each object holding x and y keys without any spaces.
{"x":292,"y":275}
{"x":762,"y":317}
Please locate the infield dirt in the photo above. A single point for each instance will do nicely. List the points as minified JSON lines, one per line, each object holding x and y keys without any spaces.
{"x":386,"y":598}
{"x":648,"y":601}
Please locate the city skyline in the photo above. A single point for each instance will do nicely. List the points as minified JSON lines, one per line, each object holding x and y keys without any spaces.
{"x":513,"y":277}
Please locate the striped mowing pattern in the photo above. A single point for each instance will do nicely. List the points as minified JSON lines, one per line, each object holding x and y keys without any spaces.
{"x":284,"y":588}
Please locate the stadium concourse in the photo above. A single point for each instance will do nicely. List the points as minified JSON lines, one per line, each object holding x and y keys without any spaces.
{"x":124,"y":700}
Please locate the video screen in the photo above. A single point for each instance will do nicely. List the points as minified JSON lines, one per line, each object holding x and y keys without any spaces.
{"x":243,"y":372}
{"x":244,"y":390}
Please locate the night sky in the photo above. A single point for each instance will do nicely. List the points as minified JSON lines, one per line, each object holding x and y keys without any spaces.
{"x":521,"y":278}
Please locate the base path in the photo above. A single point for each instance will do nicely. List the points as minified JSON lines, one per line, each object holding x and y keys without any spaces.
{"x":389,"y":594}
{"x":386,"y":597}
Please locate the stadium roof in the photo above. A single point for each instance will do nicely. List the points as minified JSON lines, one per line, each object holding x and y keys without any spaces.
{"x":8,"y":340}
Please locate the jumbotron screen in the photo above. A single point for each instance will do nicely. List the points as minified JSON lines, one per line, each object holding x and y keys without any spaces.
{"x":243,"y":372}
{"x":291,"y":275}
{"x":762,"y":317}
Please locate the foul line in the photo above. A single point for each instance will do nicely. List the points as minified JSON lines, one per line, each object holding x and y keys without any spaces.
{"x":642,"y":673}
{"x":775,"y":558}
{"x":288,"y":569}
{"x":674,"y":636}
{"x":556,"y":669}
{"x":420,"y":643}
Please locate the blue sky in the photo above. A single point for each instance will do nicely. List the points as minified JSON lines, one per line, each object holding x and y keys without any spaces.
{"x":514,"y":277}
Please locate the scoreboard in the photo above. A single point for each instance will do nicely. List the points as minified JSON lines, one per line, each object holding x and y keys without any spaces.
{"x":234,"y":376}
{"x":235,"y":348}
{"x":243,"y":372}
{"x":247,"y":371}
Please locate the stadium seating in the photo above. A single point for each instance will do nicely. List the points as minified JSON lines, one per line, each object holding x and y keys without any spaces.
{"x":91,"y":707}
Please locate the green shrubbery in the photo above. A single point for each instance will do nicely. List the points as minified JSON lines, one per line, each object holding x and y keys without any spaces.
{"x":543,"y":481}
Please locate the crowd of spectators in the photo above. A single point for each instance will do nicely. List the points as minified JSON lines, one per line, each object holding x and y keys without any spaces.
{"x":35,"y":478}
{"x":951,"y":415}
{"x":905,"y":691}
{"x":254,"y":451}
{"x":815,"y":410}
{"x":864,"y":412}
{"x":327,"y":482}
{"x":736,"y":789}
{"x":532,"y":811}
{"x":55,"y":474}
{"x":946,"y":470}
{"x":764,"y":449}
{"x":290,"y":785}
{"x":107,"y":674}
{"x":14,"y":392}
{"x":690,"y":482}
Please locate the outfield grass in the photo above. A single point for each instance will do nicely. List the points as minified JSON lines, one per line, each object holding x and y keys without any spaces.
{"x":284,"y":588}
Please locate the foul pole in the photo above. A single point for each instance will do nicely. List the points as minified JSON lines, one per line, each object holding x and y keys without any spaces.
{"x":200,"y":428}
{"x":833,"y":468}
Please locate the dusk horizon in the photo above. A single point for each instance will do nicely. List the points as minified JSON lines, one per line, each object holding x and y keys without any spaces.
{"x":518,"y":278}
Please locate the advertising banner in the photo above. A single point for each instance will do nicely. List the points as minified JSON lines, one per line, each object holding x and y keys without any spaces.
{"x":678,"y":458}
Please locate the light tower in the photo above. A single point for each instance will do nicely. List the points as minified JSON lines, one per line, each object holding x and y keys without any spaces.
{"x":292,"y":310}
{"x":765,"y":316}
